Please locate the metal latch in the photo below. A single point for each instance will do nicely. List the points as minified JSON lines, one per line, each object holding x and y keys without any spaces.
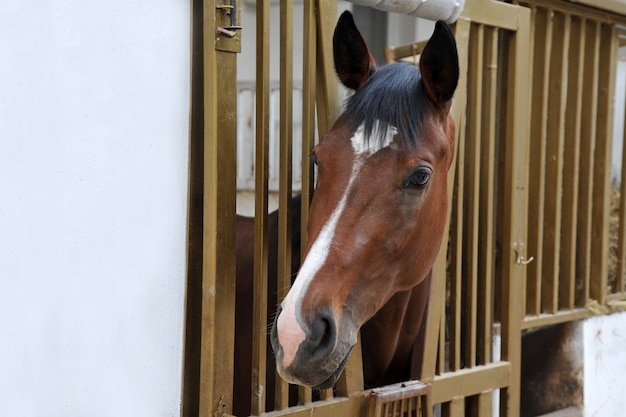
{"x":518,"y":248}
{"x":227,"y":29}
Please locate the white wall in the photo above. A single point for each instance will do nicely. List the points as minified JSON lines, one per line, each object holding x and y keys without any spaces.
{"x":246,"y":60}
{"x":94,"y":104}
{"x":605,"y":365}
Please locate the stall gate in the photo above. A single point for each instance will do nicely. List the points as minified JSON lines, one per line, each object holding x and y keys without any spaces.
{"x":514,"y":222}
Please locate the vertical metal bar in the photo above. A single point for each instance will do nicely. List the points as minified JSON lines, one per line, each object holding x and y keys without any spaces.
{"x":286,"y":143}
{"x":484,"y":404}
{"x":327,"y":80}
{"x":418,"y":407}
{"x":515,"y":207}
{"x":588,"y":135}
{"x":554,"y":162}
{"x":571,"y":160}
{"x":487,"y":196}
{"x":376,"y":410}
{"x":439,"y":366}
{"x":285,"y":178}
{"x":309,"y":89}
{"x":457,"y":407}
{"x":326,"y":394}
{"x":602,"y":164}
{"x":259,"y":346}
{"x":352,"y":378}
{"x":308,"y":115}
{"x":471,"y":211}
{"x":541,"y":41}
{"x":195,"y":232}
{"x":435,"y":329}
{"x":456,"y":273}
{"x":426,"y":405}
{"x":219,"y":201}
{"x":457,"y":232}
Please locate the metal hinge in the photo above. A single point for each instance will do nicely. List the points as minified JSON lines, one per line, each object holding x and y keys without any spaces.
{"x":227,"y":30}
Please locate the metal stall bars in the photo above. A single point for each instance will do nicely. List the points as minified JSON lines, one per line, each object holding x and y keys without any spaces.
{"x":319,"y":93}
{"x":319,"y":107}
{"x":575,"y":236}
{"x":464,"y":363}
{"x":473,"y":350}
{"x":574,"y":56}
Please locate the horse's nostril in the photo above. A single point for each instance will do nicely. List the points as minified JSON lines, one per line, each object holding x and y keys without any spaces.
{"x":323,"y":335}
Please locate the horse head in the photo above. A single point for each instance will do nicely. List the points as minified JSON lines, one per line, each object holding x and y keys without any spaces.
{"x":379,"y":210}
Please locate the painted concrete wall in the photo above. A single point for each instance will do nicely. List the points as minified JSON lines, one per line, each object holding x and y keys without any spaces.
{"x":94,"y":104}
{"x":580,"y":364}
{"x":605,"y":365}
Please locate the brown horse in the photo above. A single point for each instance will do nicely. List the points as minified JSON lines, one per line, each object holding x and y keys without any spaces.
{"x":377,"y":217}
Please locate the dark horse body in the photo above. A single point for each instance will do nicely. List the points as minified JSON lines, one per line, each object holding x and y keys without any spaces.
{"x":376,"y":222}
{"x":244,"y":300}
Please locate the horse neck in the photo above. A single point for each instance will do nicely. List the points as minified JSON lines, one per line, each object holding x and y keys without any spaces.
{"x":393,"y":339}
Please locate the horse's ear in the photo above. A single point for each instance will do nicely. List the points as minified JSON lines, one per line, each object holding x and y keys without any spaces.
{"x":353,"y":61}
{"x":439,"y":65}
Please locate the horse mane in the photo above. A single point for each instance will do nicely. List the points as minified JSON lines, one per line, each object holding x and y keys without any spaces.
{"x":393,"y":97}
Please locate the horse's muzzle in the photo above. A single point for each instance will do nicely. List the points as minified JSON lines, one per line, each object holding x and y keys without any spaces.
{"x":319,"y":358}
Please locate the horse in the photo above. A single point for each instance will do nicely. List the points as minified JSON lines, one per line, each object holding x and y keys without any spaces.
{"x":377,"y":218}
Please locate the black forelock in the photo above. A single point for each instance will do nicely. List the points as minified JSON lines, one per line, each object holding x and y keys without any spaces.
{"x":394,"y":97}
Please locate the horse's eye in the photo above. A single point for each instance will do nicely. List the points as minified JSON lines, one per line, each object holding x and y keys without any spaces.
{"x":417,"y":179}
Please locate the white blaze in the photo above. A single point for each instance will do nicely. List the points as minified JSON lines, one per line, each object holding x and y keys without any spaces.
{"x":368,"y":146}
